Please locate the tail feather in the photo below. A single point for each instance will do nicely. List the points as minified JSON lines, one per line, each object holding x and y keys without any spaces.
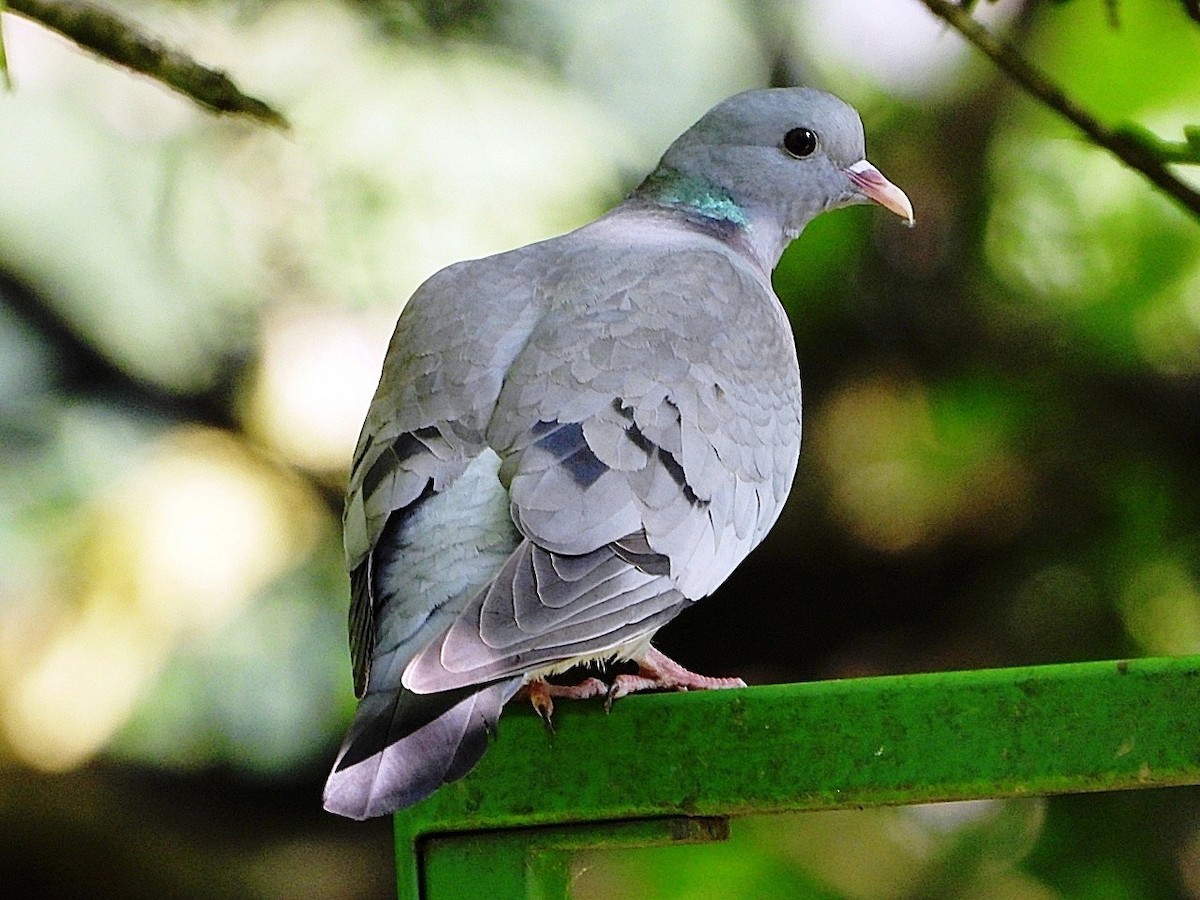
{"x":403,"y":746}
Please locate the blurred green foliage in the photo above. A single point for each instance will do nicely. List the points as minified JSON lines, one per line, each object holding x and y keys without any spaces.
{"x":1003,"y":409}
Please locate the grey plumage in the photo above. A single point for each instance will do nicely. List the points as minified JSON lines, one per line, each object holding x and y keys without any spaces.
{"x":573,"y":441}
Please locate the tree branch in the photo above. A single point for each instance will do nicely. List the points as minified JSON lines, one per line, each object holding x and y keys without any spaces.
{"x":5,"y":78}
{"x":118,"y":41}
{"x":1134,"y":146}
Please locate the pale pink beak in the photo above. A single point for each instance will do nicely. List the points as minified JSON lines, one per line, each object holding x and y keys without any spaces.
{"x":871,"y":182}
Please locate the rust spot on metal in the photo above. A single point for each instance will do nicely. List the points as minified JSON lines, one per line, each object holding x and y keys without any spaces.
{"x":700,"y":829}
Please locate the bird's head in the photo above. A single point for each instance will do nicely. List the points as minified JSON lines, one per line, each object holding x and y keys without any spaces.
{"x":768,"y":162}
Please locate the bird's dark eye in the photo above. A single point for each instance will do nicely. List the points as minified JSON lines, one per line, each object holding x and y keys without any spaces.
{"x":800,"y":142}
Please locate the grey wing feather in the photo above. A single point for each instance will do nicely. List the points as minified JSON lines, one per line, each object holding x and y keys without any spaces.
{"x":509,"y":630}
{"x":402,"y":747}
{"x":443,"y":372}
{"x":400,"y":477}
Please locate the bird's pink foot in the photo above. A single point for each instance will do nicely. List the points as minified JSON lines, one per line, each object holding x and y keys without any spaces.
{"x":658,"y":672}
{"x":541,"y":694}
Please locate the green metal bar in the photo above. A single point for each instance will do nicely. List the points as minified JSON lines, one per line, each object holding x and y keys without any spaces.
{"x":535,"y":862}
{"x":827,"y":745}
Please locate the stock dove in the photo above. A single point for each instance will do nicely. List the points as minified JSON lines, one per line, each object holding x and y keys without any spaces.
{"x":573,"y":441}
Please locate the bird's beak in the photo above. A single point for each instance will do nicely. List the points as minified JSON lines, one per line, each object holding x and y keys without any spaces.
{"x":870,"y":181}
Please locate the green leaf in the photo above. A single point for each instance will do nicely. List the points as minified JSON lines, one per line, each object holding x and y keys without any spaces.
{"x":1191,"y":134}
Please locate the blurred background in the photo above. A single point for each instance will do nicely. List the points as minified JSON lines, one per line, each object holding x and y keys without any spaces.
{"x":1002,"y":411}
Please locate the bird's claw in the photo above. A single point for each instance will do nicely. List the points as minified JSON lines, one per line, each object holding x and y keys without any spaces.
{"x":658,"y":672}
{"x":541,"y":695}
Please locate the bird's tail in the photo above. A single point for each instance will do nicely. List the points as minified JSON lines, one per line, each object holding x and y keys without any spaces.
{"x":403,"y":746}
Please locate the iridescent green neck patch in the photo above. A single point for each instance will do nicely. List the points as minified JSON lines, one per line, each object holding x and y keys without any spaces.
{"x":671,"y":187}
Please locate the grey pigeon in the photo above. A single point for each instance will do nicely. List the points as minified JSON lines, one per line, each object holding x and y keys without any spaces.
{"x":574,"y":441}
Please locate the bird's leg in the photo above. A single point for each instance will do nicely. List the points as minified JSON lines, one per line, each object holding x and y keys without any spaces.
{"x":658,"y":672}
{"x":541,"y":694}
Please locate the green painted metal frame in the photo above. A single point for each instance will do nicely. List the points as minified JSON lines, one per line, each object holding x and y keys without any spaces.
{"x":673,"y":767}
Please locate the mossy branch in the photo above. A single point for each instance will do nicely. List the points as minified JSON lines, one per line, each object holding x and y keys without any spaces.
{"x":5,"y":78}
{"x":116,"y":40}
{"x":1133,"y":145}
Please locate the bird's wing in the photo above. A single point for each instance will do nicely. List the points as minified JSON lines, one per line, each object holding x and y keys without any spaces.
{"x":426,"y":426}
{"x":649,"y":433}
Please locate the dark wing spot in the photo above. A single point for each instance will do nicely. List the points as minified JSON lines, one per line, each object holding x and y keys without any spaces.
{"x":394,"y":529}
{"x":567,"y":444}
{"x":643,"y":443}
{"x":638,"y":439}
{"x":585,"y":467}
{"x":368,"y":443}
{"x":380,"y":469}
{"x":404,"y":447}
{"x":362,"y":625}
{"x":675,"y":470}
